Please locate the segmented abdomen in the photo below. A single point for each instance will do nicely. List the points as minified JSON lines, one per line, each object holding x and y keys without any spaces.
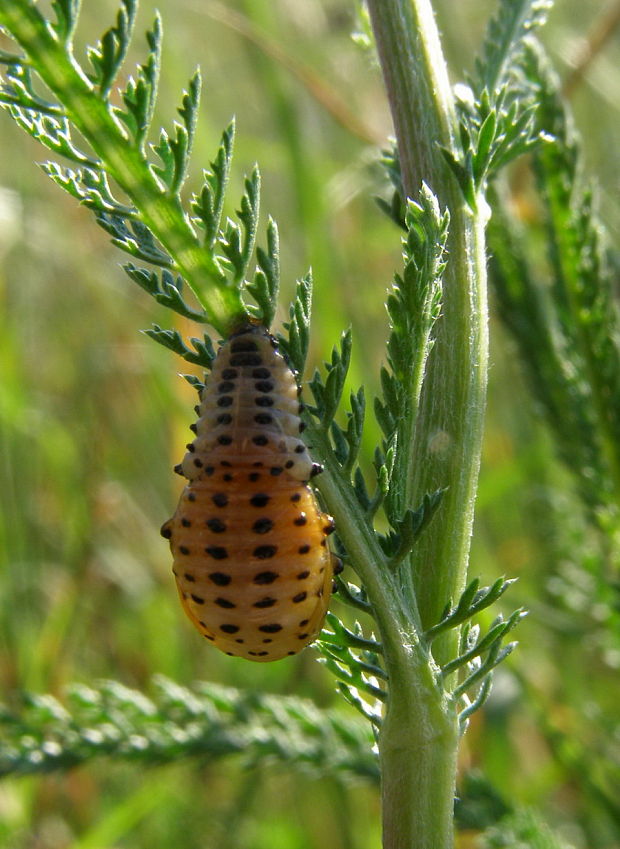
{"x":252,"y":566}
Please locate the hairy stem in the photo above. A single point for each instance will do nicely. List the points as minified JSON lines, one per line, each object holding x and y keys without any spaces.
{"x":418,"y":741}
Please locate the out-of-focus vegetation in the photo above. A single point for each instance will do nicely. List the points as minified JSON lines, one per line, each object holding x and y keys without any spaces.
{"x":93,"y":416}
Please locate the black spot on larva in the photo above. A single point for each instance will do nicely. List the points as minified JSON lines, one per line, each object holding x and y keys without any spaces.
{"x":226,"y":386}
{"x":224,"y":419}
{"x":189,"y":577}
{"x":197,"y":409}
{"x":209,"y":470}
{"x":186,"y":523}
{"x":226,"y":464}
{"x":291,"y":652}
{"x":227,"y":478}
{"x":303,"y":549}
{"x":316,"y":470}
{"x":329,"y":528}
{"x":184,"y":549}
{"x":254,"y":476}
{"x":229,"y":373}
{"x":303,"y":623}
{"x":303,"y":575}
{"x":220,"y":499}
{"x":275,"y":471}
{"x":246,"y":359}
{"x":190,"y":447}
{"x":296,"y":496}
{"x":230,"y":653}
{"x":300,"y":448}
{"x":217,"y":552}
{"x":259,"y":500}
{"x":260,"y":440}
{"x":265,"y":577}
{"x":198,"y":463}
{"x":224,"y":439}
{"x":242,"y":344}
{"x":262,"y":653}
{"x":263,"y":401}
{"x":301,"y":520}
{"x":261,"y":373}
{"x":166,"y":531}
{"x":178,"y":469}
{"x":267,"y":640}
{"x":258,"y":464}
{"x":302,"y":636}
{"x":264,"y":552}
{"x":220,"y":579}
{"x":191,"y":496}
{"x":229,"y":629}
{"x":193,"y":427}
{"x":265,"y":602}
{"x":224,"y":602}
{"x":300,"y":597}
{"x":270,"y":629}
{"x":338,"y":565}
{"x":197,"y":598}
{"x":262,"y":526}
{"x":239,"y":640}
{"x":289,"y":464}
{"x":263,"y":418}
{"x":225,"y":401}
{"x":216,"y":525}
{"x":264,"y":386}
{"x":208,"y":636}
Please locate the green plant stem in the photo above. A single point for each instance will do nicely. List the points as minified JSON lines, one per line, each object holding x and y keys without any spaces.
{"x":418,"y":739}
{"x":450,"y":422}
{"x":418,"y":759}
{"x":161,"y":212}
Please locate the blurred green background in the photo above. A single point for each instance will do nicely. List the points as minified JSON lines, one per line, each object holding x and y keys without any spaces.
{"x":93,"y":416}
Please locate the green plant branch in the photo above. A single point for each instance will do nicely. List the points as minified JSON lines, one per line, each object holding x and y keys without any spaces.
{"x":449,"y":426}
{"x":209,"y":721}
{"x":417,"y":85}
{"x":583,"y":281}
{"x":161,"y":211}
{"x":418,"y":760}
{"x":450,"y":422}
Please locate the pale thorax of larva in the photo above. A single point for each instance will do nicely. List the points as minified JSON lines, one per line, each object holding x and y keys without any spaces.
{"x":249,"y":410}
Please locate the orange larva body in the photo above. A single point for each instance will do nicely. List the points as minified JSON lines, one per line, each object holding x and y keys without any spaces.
{"x":252,"y":566}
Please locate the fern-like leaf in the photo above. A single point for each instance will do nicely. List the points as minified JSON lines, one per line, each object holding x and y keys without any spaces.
{"x":150,"y":223}
{"x":110,"y":720}
{"x":503,"y":44}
